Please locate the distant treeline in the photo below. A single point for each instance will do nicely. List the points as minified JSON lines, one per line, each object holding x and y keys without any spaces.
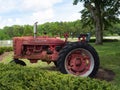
{"x":53,"y":28}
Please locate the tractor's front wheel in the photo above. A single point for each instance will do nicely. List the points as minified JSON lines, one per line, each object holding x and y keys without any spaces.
{"x":17,"y":61}
{"x":79,"y":59}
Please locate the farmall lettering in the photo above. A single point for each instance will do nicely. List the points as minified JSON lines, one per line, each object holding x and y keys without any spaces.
{"x":78,"y":58}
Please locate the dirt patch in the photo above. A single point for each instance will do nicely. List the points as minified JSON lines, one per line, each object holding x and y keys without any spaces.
{"x":3,"y":55}
{"x":105,"y":74}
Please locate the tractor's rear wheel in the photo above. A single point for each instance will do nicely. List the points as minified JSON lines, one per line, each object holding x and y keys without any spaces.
{"x":17,"y":61}
{"x":79,"y":59}
{"x":55,"y":63}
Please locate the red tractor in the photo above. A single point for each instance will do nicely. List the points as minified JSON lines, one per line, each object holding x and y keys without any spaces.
{"x":78,"y":58}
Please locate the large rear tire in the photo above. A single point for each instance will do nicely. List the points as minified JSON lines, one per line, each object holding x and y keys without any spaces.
{"x":79,"y":59}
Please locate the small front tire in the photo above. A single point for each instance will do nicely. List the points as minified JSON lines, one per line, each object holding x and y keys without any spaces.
{"x":17,"y":61}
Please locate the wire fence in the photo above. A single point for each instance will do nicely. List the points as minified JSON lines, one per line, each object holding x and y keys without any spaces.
{"x":6,"y":43}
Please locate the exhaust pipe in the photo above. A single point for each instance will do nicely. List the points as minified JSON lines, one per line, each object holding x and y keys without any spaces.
{"x":35,"y":29}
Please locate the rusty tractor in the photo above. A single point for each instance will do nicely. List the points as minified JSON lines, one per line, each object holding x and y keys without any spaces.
{"x":78,"y":58}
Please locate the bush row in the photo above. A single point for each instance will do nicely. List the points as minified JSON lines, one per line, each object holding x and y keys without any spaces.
{"x":5,"y":49}
{"x":106,"y":40}
{"x":15,"y":77}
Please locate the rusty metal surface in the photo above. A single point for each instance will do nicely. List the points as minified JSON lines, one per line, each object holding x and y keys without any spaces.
{"x":40,"y":48}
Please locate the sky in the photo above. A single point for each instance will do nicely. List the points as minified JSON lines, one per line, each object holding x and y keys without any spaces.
{"x":22,"y":12}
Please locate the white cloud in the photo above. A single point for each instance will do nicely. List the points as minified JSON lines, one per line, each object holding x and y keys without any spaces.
{"x":34,"y":5}
{"x":29,"y":11}
{"x":0,"y":18}
{"x":38,"y":4}
{"x":7,"y":5}
{"x":41,"y":16}
{"x":23,"y":5}
{"x":10,"y":20}
{"x":6,"y":22}
{"x":33,"y":10}
{"x":73,"y":17}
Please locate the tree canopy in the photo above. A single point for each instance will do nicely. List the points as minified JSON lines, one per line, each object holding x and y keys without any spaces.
{"x":100,"y":14}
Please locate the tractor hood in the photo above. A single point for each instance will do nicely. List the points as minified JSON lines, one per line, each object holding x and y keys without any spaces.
{"x":39,"y":40}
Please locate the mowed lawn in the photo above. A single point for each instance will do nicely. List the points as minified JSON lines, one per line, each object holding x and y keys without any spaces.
{"x":109,"y":54}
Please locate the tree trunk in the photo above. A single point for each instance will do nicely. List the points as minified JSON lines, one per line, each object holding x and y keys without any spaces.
{"x":96,"y":14}
{"x":98,"y":25}
{"x":98,"y":32}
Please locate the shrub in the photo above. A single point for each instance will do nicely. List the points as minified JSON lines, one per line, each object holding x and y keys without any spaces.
{"x":5,"y":49}
{"x":1,"y":51}
{"x":106,"y":40}
{"x":15,"y":77}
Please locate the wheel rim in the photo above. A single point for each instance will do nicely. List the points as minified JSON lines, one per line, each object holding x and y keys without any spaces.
{"x":79,"y":62}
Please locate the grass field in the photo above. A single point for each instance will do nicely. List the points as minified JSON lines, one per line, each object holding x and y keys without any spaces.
{"x":109,"y":54}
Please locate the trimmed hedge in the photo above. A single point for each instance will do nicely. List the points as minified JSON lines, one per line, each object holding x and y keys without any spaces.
{"x":106,"y":40}
{"x":5,"y":49}
{"x":15,"y":77}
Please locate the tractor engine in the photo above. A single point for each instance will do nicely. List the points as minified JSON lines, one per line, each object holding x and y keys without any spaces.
{"x":40,"y":48}
{"x":36,"y":48}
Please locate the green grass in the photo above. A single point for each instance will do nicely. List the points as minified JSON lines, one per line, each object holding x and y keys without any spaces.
{"x":40,"y":64}
{"x":109,"y":54}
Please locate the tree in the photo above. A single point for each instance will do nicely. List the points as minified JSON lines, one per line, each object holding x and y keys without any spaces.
{"x":18,"y":30}
{"x":3,"y":36}
{"x":115,"y":29}
{"x":8,"y":31}
{"x":28,"y":30}
{"x":100,"y":13}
